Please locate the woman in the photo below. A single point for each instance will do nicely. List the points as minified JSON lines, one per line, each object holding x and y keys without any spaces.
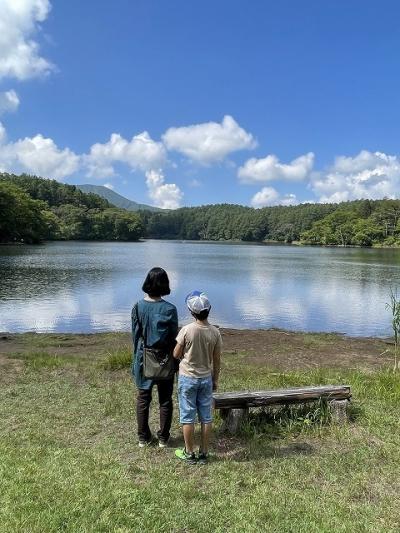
{"x":156,"y":320}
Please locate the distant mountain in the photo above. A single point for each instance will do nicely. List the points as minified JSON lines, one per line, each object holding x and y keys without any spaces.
{"x":115,"y":198}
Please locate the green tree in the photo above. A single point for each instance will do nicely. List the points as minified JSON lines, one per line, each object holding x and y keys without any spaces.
{"x":21,"y":217}
{"x":366,"y":232}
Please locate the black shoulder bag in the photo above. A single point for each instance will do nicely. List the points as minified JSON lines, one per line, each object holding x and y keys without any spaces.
{"x":158,"y":363}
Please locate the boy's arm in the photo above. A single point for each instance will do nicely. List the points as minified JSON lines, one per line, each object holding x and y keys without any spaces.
{"x":178,"y":351}
{"x":216,"y":369}
{"x":180,"y":344}
{"x":216,"y":363}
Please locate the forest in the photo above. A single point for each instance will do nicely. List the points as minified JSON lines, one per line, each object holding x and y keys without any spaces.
{"x":34,"y":209}
{"x":357,"y":223}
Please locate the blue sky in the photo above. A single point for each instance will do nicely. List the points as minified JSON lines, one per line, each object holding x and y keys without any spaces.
{"x":186,"y":103}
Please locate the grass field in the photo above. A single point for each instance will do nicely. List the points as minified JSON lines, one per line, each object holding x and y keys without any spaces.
{"x":69,"y":459}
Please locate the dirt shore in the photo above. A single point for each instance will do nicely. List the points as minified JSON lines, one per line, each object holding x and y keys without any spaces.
{"x":277,"y":349}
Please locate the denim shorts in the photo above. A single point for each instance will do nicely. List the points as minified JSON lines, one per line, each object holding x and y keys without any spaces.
{"x":195,"y":397}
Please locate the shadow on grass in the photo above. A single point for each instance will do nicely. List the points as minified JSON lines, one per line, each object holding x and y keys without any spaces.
{"x":269,"y":432}
{"x":242,"y":449}
{"x":354,"y":412}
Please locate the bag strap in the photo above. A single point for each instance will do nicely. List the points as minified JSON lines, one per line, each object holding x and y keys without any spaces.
{"x":136,"y":308}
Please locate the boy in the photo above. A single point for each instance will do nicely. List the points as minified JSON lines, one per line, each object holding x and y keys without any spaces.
{"x":199,"y":348}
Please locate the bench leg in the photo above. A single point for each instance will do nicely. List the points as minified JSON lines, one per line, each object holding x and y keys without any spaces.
{"x":233,"y":419}
{"x":338,"y":409}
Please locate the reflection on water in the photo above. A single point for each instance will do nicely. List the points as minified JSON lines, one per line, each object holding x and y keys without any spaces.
{"x":88,"y":287}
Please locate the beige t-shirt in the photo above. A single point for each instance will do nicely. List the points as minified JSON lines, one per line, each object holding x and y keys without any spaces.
{"x":200,"y":343}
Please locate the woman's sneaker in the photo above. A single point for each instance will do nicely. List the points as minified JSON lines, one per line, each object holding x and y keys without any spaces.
{"x":145,"y":443}
{"x":189,"y":458}
{"x":162,"y":443}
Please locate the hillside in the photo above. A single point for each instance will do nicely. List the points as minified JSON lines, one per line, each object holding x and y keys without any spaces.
{"x":116,"y":199}
{"x":35,"y":209}
{"x":356,"y":223}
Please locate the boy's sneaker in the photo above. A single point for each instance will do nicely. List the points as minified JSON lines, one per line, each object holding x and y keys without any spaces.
{"x":162,"y":443}
{"x":202,"y":458}
{"x":189,"y":458}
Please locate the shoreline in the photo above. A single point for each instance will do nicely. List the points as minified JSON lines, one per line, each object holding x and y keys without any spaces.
{"x":223,"y":329}
{"x":207,"y":241}
{"x":280,"y":350}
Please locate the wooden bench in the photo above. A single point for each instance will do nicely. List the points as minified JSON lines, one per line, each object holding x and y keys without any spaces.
{"x":234,"y":406}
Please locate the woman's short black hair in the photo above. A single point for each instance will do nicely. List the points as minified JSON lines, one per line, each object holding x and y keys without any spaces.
{"x":156,"y":283}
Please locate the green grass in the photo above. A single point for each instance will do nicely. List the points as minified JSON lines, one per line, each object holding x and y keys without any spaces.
{"x":69,"y":459}
{"x":36,"y":360}
{"x":314,"y":340}
{"x":117,"y":359}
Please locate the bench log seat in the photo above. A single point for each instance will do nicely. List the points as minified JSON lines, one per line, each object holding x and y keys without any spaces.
{"x":234,"y":406}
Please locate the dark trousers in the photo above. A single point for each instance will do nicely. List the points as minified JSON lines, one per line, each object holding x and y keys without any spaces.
{"x":165,"y":389}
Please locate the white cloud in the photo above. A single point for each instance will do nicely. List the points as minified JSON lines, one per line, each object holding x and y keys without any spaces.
{"x":109,"y":186}
{"x":165,"y":195}
{"x":268,"y":196}
{"x":371,"y":175}
{"x":270,"y":169}
{"x":3,"y":133}
{"x":9,"y":101}
{"x":141,"y":152}
{"x":19,"y":53}
{"x":209,"y":142}
{"x":36,"y":155}
{"x":289,"y":199}
{"x":195,"y":183}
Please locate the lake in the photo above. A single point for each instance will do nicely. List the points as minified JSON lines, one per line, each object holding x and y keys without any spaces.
{"x":91,"y":286}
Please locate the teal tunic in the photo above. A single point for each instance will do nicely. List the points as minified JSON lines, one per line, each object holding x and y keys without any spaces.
{"x":159,"y":322}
